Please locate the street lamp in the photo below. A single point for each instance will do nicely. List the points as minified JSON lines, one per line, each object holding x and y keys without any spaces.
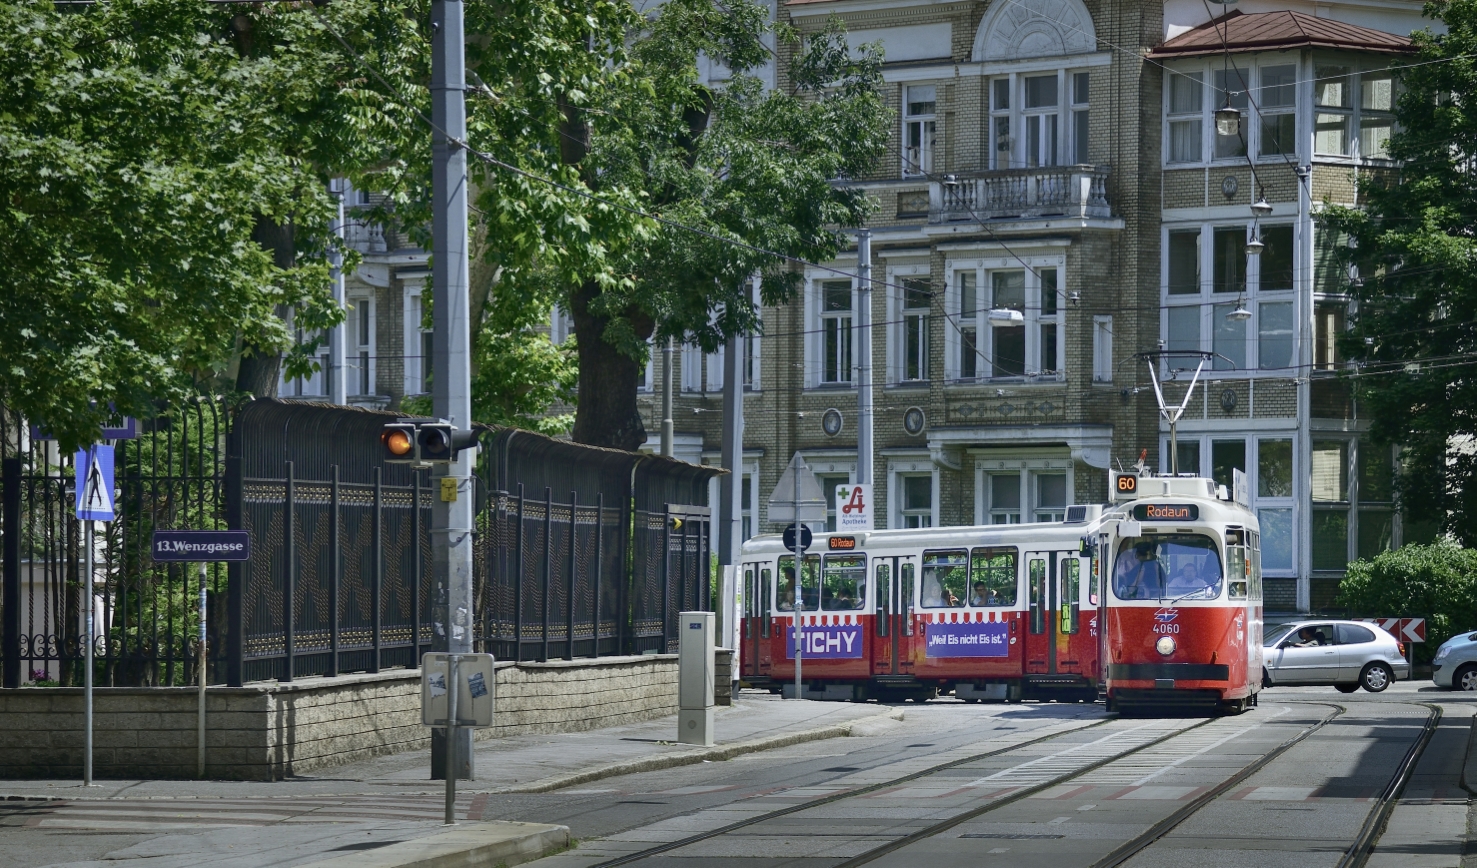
{"x":1240,"y":314}
{"x":1261,"y":208}
{"x":1227,"y":120}
{"x":1254,"y":247}
{"x":1005,"y":316}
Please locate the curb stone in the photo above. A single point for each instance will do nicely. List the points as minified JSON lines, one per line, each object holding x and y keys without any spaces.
{"x":467,"y":844}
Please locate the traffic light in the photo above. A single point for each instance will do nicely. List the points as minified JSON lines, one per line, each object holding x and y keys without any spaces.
{"x":397,"y":442}
{"x":441,"y":441}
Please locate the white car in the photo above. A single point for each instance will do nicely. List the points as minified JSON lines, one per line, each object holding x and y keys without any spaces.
{"x":1346,"y":655}
{"x":1455,"y":665}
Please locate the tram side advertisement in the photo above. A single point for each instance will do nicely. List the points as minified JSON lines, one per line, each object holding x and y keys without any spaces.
{"x":988,"y":639}
{"x":827,"y":642}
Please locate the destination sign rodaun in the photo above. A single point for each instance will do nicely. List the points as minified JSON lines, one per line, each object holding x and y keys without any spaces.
{"x":1166,"y":512}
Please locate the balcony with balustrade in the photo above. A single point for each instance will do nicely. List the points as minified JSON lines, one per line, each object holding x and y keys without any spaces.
{"x":1077,"y":193}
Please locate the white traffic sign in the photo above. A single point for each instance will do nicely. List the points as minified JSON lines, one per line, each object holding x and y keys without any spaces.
{"x":853,"y":507}
{"x":474,"y":702}
{"x":94,"y":481}
{"x":798,"y":496}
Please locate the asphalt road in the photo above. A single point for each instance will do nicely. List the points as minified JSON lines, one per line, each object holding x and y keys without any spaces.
{"x":1031,"y":784}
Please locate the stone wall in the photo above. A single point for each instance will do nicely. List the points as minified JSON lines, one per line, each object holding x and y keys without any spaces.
{"x":269,"y":730}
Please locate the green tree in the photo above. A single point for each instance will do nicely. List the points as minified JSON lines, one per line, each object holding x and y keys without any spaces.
{"x":748,"y":166}
{"x":1414,"y":333}
{"x":144,"y":146}
{"x":1437,"y":582}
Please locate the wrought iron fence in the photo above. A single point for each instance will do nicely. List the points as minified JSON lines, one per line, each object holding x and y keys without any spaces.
{"x":579,"y":552}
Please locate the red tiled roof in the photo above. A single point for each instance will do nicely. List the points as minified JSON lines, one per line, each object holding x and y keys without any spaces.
{"x":1271,"y":31}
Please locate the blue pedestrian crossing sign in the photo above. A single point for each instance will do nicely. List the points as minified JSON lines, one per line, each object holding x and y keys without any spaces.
{"x":95,"y":483}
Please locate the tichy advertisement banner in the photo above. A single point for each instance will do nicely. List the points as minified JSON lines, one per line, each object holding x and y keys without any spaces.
{"x":829,"y":642}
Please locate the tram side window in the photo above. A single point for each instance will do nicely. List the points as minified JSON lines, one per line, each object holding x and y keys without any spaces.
{"x":809,"y":581}
{"x":844,"y":583}
{"x":1256,"y":565}
{"x":1071,"y":601}
{"x":1182,"y":566}
{"x":993,"y":580}
{"x":945,"y":576}
{"x":883,"y":589}
{"x":1036,"y":576}
{"x":905,"y":592}
{"x":751,"y":603}
{"x":1238,"y":573}
{"x":766,"y":583}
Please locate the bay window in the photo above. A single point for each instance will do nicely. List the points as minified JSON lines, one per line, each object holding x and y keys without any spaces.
{"x":1277,"y":105}
{"x":1186,"y":116}
{"x":1231,"y":90}
{"x":1038,"y":121}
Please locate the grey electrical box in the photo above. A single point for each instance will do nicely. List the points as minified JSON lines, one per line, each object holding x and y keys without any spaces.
{"x":695,"y":678}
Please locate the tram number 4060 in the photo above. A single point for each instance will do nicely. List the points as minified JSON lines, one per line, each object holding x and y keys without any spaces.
{"x":1166,"y":628}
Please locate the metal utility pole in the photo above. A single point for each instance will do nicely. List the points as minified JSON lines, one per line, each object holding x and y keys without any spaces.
{"x":667,"y":434}
{"x":731,"y":491}
{"x":864,"y":357}
{"x":451,"y":382}
{"x":338,"y":392}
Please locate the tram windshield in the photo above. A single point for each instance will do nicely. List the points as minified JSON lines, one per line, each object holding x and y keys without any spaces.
{"x":1177,"y":567}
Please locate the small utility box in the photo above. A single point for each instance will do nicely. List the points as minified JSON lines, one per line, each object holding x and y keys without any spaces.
{"x":695,"y":679}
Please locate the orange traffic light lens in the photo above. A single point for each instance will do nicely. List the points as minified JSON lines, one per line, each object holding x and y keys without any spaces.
{"x":397,"y":442}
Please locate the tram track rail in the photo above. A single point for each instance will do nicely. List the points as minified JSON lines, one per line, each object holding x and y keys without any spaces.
{"x":631,"y":858}
{"x":1374,"y":824}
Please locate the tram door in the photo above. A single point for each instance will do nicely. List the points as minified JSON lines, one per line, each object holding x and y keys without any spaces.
{"x":893,"y":580}
{"x":754,"y":641}
{"x":1075,"y":644}
{"x":1054,"y":611}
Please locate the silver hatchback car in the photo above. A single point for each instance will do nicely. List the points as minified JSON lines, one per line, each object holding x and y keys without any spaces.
{"x":1346,"y":655}
{"x":1455,"y":664}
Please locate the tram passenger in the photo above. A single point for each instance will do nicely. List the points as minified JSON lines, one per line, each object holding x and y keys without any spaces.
{"x":787,"y":589}
{"x":1145,"y":578}
{"x":982,"y":596}
{"x":936,"y":596}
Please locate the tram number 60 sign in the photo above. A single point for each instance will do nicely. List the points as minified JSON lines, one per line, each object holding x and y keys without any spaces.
{"x":1125,"y":486}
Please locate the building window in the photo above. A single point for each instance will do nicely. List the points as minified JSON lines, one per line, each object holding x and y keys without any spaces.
{"x":1340,"y":122}
{"x":1051,"y":496}
{"x":835,"y":316}
{"x":1102,"y":349}
{"x":1013,"y":329}
{"x":417,"y":347}
{"x":314,"y":385}
{"x":1277,"y":109}
{"x":692,"y":368}
{"x":1273,"y":498}
{"x":918,"y":129}
{"x":1197,"y":313}
{"x":1231,"y":89}
{"x":1329,"y":489}
{"x":1334,"y":110}
{"x":1328,"y":326}
{"x":1000,"y":124}
{"x":1005,"y":498}
{"x":1080,"y":126}
{"x":1186,"y":116}
{"x":969,"y":314}
{"x":828,"y":485}
{"x":359,"y":378}
{"x":1042,"y":120}
{"x":913,"y":342}
{"x":917,"y":500}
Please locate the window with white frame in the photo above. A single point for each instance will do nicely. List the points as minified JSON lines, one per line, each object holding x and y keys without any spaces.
{"x":1353,"y":111}
{"x":1186,"y":115}
{"x":1244,"y":311}
{"x":1277,"y":111}
{"x":316,"y":383}
{"x":1102,"y":349}
{"x":915,"y":296}
{"x":1231,"y":89}
{"x":1050,"y":110}
{"x":834,"y":301}
{"x":418,"y":349}
{"x":1080,"y":125}
{"x":919,"y":102}
{"x":692,"y":368}
{"x":1010,"y":321}
{"x":915,"y":507}
{"x":359,"y":378}
{"x":750,"y":343}
{"x":1019,"y":490}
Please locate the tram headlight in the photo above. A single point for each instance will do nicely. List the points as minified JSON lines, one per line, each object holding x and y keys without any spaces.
{"x":1165,"y":645}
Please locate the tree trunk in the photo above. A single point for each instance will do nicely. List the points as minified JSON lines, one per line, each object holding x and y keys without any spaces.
{"x":261,"y":367}
{"x":606,"y":412}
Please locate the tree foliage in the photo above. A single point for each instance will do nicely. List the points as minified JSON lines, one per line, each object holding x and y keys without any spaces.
{"x":1416,"y":249}
{"x":1437,"y":582}
{"x":754,"y":169}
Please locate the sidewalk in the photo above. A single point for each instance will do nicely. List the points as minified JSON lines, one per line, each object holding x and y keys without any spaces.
{"x":531,"y":763}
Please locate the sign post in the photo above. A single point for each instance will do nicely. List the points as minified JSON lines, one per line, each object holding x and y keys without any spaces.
{"x":202,"y":546}
{"x":94,"y":492}
{"x":798,"y":498}
{"x":456,"y":692}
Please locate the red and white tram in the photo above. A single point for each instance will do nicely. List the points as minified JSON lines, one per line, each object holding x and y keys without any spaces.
{"x":996,"y":612}
{"x":1184,"y":600}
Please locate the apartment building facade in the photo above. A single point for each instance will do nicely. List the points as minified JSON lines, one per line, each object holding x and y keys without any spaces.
{"x":1056,"y":199}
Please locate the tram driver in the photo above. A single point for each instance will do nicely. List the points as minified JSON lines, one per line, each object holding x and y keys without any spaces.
{"x":1143,"y":577}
